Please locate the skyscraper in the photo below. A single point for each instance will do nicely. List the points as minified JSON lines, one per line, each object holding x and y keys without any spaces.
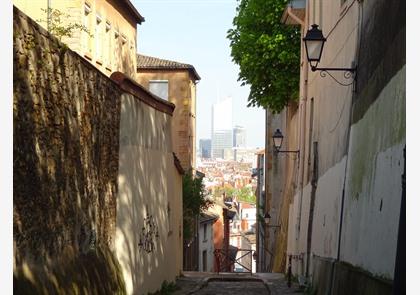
{"x":239,"y":136}
{"x":205,"y":148}
{"x":221,"y":135}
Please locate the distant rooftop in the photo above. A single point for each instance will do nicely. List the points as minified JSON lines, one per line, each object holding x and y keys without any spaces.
{"x":145,"y":62}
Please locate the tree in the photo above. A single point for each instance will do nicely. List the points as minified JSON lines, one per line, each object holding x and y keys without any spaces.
{"x":267,"y":52}
{"x":58,"y":24}
{"x":194,"y":201}
{"x":245,"y":194}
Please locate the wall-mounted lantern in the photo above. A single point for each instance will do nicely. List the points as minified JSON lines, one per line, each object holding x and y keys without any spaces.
{"x":278,"y":141}
{"x":267,"y":218}
{"x":314,"y":44}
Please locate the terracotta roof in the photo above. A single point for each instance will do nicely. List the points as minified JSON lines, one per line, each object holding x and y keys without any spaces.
{"x":208,"y":217}
{"x":145,"y":62}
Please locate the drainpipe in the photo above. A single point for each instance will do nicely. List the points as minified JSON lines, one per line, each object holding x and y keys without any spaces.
{"x":226,"y":239}
{"x":302,"y":120}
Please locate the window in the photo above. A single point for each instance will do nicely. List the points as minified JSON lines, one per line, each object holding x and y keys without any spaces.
{"x":205,"y":232}
{"x":116,"y":49}
{"x":108,"y":44}
{"x":98,"y":38}
{"x":159,"y":88}
{"x":86,"y":38}
{"x":205,"y":260}
{"x":124,"y":39}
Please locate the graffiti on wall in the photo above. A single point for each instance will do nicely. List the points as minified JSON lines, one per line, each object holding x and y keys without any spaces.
{"x":148,"y":235}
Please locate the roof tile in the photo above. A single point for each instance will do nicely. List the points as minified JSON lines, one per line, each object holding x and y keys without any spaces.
{"x":145,"y":62}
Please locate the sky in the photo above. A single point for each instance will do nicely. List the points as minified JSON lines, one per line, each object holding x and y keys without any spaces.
{"x":194,"y":32}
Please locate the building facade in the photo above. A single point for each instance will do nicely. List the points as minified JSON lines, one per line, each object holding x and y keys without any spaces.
{"x":95,"y":155}
{"x":110,"y":42}
{"x":175,"y":82}
{"x":344,"y":210}
{"x":206,"y":244}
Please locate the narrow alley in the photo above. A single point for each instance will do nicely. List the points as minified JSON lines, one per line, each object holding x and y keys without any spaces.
{"x":232,"y":284}
{"x":209,"y":147}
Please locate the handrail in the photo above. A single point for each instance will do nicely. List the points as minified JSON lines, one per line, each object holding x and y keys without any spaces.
{"x":222,"y":258}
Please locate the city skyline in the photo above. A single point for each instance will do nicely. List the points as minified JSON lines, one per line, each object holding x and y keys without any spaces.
{"x":192,"y":36}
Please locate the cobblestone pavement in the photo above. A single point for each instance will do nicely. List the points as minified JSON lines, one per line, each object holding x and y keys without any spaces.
{"x":199,"y":283}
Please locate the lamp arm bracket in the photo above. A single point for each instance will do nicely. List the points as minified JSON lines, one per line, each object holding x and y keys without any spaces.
{"x":349,"y":73}
{"x":289,"y":152}
{"x":351,"y":70}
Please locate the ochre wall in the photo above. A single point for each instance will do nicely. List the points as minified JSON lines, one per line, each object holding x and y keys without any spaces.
{"x":151,"y":200}
{"x":113,"y":55}
{"x":65,"y":124}
{"x":182,"y":94}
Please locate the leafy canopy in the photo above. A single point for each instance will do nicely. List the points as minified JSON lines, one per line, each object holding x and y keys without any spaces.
{"x":267,"y":52}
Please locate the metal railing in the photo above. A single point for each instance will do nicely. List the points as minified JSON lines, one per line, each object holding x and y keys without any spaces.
{"x":229,"y":262}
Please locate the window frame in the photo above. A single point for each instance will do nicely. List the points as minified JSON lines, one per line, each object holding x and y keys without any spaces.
{"x":160,"y":81}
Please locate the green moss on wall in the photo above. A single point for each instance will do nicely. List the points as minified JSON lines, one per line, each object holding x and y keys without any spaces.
{"x":382,"y":127}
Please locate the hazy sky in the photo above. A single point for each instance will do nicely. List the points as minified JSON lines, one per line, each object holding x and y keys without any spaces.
{"x":194,"y":32}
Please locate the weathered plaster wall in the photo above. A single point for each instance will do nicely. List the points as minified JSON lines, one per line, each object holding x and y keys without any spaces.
{"x":327,"y":211}
{"x":373,"y":188}
{"x":149,"y":207}
{"x":66,"y":121}
{"x":374,"y":149}
{"x":182,"y":93}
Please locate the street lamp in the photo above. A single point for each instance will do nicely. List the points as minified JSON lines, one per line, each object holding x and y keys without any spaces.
{"x":267,"y":220}
{"x":278,"y":141}
{"x":314,"y":43}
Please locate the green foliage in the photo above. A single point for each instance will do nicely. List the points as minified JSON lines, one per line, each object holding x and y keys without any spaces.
{"x":244,"y":194}
{"x":267,"y":52}
{"x":310,"y":290}
{"x":194,"y":200}
{"x":58,"y":27}
{"x":167,"y":288}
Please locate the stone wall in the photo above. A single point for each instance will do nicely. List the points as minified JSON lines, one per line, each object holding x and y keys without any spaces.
{"x":66,"y":142}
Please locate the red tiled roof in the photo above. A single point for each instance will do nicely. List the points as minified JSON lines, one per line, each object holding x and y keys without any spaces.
{"x":145,"y":62}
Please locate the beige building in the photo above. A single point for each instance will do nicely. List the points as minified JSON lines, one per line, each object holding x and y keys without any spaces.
{"x":110,"y":43}
{"x":176,"y":83}
{"x":148,"y":242}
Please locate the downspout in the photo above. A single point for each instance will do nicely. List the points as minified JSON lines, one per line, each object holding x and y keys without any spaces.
{"x":303,"y":118}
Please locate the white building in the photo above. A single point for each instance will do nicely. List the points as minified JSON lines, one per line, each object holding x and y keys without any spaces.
{"x":206,"y":243}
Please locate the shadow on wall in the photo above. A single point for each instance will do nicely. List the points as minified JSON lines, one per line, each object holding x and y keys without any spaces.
{"x":96,"y":272}
{"x":65,"y":160}
{"x":147,"y":230}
